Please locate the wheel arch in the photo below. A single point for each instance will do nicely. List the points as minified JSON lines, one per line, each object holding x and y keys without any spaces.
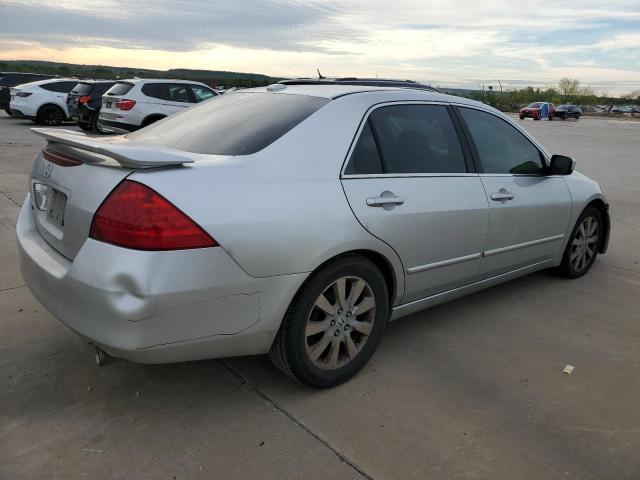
{"x":603,"y":208}
{"x":149,"y":119}
{"x":380,"y":261}
{"x":52,"y":104}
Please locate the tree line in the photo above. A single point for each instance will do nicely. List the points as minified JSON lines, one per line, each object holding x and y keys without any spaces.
{"x":567,"y":90}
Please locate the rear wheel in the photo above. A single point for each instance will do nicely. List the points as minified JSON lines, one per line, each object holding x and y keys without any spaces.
{"x":582,"y":248}
{"x":577,"y":116}
{"x":334,"y":324}
{"x":84,"y":126}
{"x":150,"y":120}
{"x":50,"y":115}
{"x":8,"y":110}
{"x":94,"y":124}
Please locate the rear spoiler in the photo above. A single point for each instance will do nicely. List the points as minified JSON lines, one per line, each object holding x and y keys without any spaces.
{"x":129,"y":154}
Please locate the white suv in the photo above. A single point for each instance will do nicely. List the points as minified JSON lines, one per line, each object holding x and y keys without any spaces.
{"x":44,"y":101}
{"x":133,"y":104}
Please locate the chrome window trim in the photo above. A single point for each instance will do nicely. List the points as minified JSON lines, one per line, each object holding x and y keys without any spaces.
{"x":364,"y":120}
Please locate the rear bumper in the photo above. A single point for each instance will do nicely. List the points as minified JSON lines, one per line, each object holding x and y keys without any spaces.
{"x":117,"y":127}
{"x":155,"y":307}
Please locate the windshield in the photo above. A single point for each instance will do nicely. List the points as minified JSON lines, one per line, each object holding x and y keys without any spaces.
{"x":231,"y":124}
{"x":535,"y":105}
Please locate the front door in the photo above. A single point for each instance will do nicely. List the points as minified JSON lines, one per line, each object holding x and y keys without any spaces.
{"x":529,"y":211}
{"x":408,"y":184}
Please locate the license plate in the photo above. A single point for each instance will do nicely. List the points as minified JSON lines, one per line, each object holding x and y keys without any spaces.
{"x":56,"y":209}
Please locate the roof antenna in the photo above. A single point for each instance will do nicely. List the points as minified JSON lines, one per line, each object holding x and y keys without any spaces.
{"x":320,"y":77}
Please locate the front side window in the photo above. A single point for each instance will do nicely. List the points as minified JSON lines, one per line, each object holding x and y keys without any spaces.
{"x":202,"y":93}
{"x":499,"y":146}
{"x":417,"y":139}
{"x":179,"y":93}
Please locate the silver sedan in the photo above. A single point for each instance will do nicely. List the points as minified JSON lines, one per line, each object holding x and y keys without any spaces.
{"x":295,"y":220}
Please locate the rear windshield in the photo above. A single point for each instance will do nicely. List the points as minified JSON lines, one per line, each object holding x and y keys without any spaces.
{"x":83,"y":89}
{"x":120,"y":88}
{"x":232,"y":124}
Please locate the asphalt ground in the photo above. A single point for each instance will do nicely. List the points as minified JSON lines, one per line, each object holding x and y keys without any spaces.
{"x":471,"y":389}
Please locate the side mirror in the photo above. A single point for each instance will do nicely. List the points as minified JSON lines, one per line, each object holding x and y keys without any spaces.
{"x":561,"y":165}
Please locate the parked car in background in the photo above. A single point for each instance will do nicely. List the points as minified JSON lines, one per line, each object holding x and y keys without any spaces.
{"x":567,"y":111}
{"x":136,"y":103}
{"x":85,"y":100}
{"x":44,"y":102}
{"x":296,"y":220}
{"x":538,"y":110}
{"x":12,"y":79}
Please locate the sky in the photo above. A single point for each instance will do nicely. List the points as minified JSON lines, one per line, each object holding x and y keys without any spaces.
{"x":444,"y":42}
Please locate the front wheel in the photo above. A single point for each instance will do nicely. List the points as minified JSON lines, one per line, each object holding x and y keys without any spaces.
{"x":334,"y":324}
{"x":582,"y":248}
{"x":577,"y":116}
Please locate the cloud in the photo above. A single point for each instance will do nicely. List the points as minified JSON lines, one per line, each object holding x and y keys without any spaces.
{"x":440,"y":41}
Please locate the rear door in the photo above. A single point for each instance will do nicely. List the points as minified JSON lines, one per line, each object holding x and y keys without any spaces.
{"x":177,"y":97}
{"x":410,"y":183}
{"x":529,"y":211}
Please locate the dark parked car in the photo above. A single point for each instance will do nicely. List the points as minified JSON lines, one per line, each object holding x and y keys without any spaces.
{"x":567,"y":111}
{"x":11,"y":79}
{"x":85,"y":100}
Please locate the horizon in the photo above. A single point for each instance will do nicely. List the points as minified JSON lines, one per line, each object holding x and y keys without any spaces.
{"x":447,"y":43}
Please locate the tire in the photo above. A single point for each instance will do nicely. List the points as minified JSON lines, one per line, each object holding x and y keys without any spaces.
{"x":564,"y":116}
{"x":94,"y":124}
{"x":8,"y":110}
{"x":577,"y":260}
{"x":323,"y":347}
{"x":85,"y":126}
{"x":50,"y":115}
{"x":577,"y":116}
{"x":521,"y":117}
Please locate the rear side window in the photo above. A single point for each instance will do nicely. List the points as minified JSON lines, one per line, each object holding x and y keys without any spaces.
{"x":500,"y":147}
{"x":365,"y":158}
{"x":120,"y":88}
{"x":231,"y":124}
{"x":417,"y":139}
{"x":83,"y":88}
{"x":60,"y":87}
{"x":156,"y":90}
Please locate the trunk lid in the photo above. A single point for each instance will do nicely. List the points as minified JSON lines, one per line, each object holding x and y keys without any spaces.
{"x":75,"y":173}
{"x":116,"y":93}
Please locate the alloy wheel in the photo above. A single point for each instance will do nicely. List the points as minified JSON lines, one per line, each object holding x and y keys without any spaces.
{"x":584,"y":244}
{"x":340,"y":323}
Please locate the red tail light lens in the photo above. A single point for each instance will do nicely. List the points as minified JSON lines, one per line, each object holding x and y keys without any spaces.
{"x":135,"y":216}
{"x":84,"y":99}
{"x":124,"y":104}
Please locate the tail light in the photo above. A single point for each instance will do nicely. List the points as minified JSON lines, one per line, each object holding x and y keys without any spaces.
{"x":135,"y":216}
{"x":84,"y":99}
{"x":124,"y":104}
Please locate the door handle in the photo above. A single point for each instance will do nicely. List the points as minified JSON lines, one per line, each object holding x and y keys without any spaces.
{"x":502,"y":195}
{"x":381,"y":201}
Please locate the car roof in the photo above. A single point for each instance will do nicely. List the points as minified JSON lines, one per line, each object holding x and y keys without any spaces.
{"x":336,"y":90}
{"x":37,"y":83}
{"x":158,"y":80}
